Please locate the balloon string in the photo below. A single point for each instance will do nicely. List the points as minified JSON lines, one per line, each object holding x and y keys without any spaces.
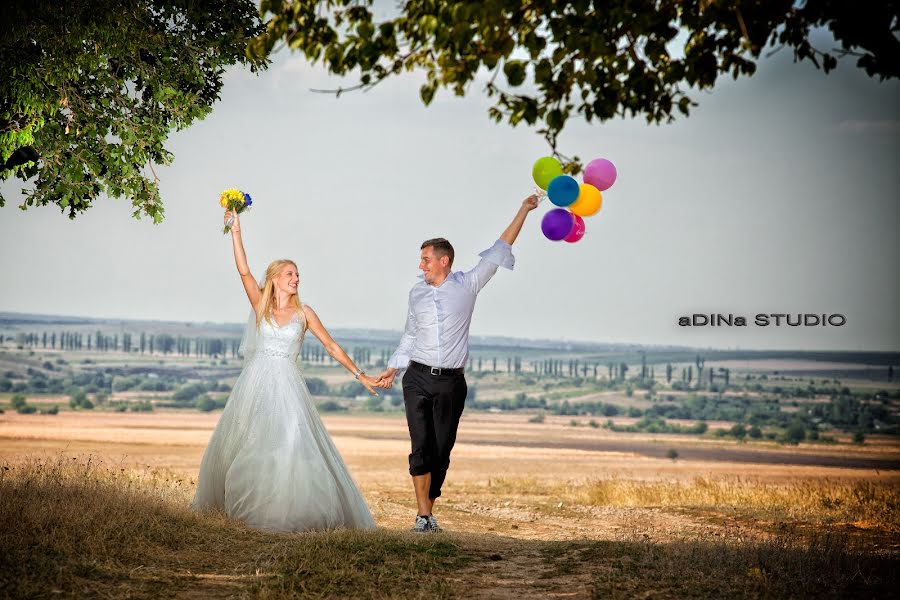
{"x":541,"y":194}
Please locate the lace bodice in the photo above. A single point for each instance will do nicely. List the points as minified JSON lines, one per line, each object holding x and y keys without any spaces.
{"x":281,"y":341}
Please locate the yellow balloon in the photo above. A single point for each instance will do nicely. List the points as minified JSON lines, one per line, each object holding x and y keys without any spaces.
{"x":588,"y":201}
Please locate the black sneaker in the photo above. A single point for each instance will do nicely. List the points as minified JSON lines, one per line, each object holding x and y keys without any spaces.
{"x":421,"y":525}
{"x":433,"y":524}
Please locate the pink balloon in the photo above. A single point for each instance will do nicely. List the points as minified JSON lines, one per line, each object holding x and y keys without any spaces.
{"x":577,"y":230}
{"x":600,"y":173}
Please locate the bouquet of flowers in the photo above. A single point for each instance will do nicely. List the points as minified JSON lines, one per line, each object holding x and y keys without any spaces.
{"x":233,"y":199}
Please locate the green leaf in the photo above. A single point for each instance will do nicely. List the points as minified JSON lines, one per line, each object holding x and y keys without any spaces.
{"x":515,"y":72}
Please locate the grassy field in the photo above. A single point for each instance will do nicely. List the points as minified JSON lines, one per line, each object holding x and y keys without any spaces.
{"x":95,"y":504}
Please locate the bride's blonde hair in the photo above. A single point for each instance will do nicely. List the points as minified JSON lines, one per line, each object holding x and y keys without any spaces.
{"x":267,"y":300}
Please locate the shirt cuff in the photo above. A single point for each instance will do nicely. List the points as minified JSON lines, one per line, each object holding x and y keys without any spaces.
{"x":500,"y":254}
{"x":399,"y":362}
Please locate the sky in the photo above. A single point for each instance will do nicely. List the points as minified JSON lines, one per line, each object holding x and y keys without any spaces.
{"x":779,"y":194}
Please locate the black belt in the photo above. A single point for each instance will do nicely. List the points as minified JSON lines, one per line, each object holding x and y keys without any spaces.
{"x":434,"y":370}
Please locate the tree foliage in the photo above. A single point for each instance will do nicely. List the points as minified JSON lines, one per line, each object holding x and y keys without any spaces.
{"x":549,"y":60}
{"x":91,"y":89}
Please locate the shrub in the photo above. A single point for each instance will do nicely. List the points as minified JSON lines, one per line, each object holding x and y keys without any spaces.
{"x":153,"y":385}
{"x":122,"y":384}
{"x":859,"y":437}
{"x":317,"y":387}
{"x":739,"y":431}
{"x":189,"y":392}
{"x":794,"y":434}
{"x":755,"y":432}
{"x":538,"y":418}
{"x":78,"y":399}
{"x":672,"y":453}
{"x":26,"y":409}
{"x":143,"y":406}
{"x":374,"y":404}
{"x":610,"y":410}
{"x":593,"y":423}
{"x":205,"y":403}
{"x":330,"y":406}
{"x":17,"y":401}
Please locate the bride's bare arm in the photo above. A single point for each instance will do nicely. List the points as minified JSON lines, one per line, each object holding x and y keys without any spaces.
{"x":334,"y":349}
{"x":240,"y":259}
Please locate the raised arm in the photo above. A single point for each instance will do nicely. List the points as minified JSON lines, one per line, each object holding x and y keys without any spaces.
{"x":334,"y":349}
{"x":512,"y":232}
{"x":240,"y":260}
{"x":500,"y":254}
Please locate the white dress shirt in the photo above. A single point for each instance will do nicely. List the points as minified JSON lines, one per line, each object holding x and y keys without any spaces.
{"x":437,"y":325}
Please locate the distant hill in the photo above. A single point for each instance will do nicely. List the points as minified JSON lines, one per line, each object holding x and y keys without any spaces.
{"x":22,"y":321}
{"x":12,"y":323}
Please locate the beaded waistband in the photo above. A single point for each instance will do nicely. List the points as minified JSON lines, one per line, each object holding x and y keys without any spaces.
{"x":273,"y":353}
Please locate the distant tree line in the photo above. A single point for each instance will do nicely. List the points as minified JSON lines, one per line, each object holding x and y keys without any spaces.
{"x":161,"y":343}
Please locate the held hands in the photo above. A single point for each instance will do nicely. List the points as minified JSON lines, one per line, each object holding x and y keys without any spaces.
{"x":370,"y":383}
{"x":386,"y":379}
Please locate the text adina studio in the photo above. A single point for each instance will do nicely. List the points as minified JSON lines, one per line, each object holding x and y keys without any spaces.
{"x":764,"y":320}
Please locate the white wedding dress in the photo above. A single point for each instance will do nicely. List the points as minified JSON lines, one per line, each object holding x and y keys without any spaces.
{"x":270,"y":462}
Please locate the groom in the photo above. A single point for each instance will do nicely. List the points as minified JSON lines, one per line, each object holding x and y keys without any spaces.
{"x":434,"y":349}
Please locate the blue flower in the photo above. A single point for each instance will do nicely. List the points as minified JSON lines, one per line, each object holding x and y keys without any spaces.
{"x":247,"y":199}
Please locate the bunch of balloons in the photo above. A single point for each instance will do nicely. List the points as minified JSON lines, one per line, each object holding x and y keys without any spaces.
{"x":575,"y":201}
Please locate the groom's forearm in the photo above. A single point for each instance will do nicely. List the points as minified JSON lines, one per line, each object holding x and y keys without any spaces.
{"x":510,"y":234}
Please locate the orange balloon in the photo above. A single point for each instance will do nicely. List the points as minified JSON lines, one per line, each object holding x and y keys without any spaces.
{"x":588,"y":201}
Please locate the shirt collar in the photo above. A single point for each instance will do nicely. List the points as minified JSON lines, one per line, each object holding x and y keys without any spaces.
{"x":454,"y":275}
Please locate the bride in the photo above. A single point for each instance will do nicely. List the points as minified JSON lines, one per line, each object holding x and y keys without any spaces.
{"x":270,"y":462}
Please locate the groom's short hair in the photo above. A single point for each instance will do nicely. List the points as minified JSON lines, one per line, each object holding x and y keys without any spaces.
{"x":441,"y":247}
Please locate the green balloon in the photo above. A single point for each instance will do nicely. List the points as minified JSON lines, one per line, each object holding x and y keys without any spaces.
{"x":545,"y":169}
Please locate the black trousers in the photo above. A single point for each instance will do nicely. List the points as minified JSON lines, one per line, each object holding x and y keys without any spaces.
{"x":434,"y":405}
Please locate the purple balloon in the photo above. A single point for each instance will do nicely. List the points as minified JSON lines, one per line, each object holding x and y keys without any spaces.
{"x":600,"y":173}
{"x":557,"y":224}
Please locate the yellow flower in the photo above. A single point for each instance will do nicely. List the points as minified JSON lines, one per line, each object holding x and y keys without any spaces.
{"x":231,"y":199}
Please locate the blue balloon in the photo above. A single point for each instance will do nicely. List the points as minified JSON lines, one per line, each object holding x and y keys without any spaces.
{"x":563,"y":190}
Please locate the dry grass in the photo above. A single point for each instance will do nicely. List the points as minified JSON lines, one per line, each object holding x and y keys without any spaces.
{"x":787,"y":566}
{"x":82,"y":527}
{"x":818,"y":501}
{"x":864,"y":504}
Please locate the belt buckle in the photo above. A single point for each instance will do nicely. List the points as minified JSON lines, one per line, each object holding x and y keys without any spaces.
{"x":433,"y":369}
